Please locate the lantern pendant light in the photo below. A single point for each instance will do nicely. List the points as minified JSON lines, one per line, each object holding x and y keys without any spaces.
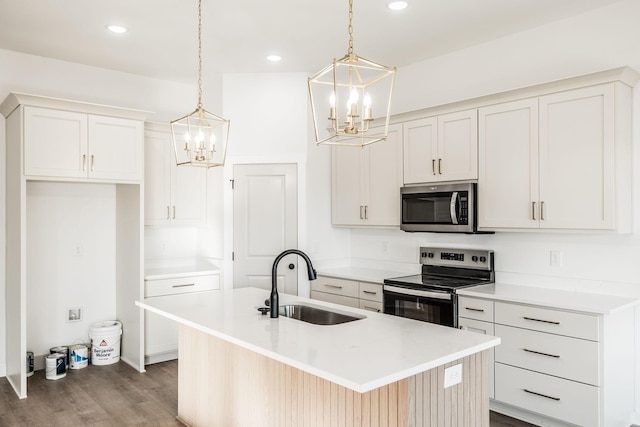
{"x":200,"y":138}
{"x":344,"y":95}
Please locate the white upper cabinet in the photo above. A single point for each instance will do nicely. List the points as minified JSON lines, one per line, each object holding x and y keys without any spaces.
{"x":441,"y":148}
{"x":68,"y":144}
{"x":549,"y":162}
{"x":173,"y":195}
{"x":366,"y":183}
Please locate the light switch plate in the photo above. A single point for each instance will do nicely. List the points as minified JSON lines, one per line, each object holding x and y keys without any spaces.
{"x":453,"y":375}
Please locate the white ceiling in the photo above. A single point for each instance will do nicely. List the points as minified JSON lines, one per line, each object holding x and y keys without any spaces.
{"x":238,"y":34}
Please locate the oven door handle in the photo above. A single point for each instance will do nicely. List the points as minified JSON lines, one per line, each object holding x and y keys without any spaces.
{"x":418,"y":293}
{"x":452,"y":208}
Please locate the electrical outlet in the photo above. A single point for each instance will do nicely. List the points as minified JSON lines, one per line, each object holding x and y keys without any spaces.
{"x":77,"y":249}
{"x":556,"y":259}
{"x":453,"y":375}
{"x":385,"y":247}
{"x":74,"y":314}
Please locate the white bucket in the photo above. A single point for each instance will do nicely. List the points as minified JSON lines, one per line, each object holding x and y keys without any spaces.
{"x":54,"y":366}
{"x":79,"y":357}
{"x":105,"y":342}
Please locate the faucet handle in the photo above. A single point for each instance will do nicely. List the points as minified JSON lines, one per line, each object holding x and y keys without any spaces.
{"x":267,"y":302}
{"x":264,"y":310}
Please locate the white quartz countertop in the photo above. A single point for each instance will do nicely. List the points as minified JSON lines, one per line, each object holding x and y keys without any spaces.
{"x":180,"y":271}
{"x":361,"y":274}
{"x":561,"y":299}
{"x":361,"y":355}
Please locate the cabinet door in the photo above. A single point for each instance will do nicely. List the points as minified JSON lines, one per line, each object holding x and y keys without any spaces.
{"x":420,"y":150}
{"x":55,"y":143}
{"x":115,"y":148}
{"x":157,"y":178}
{"x":383,"y":180}
{"x":189,"y":194}
{"x":457,"y":146}
{"x":508,"y":165}
{"x":347,"y":207}
{"x":577,"y":159}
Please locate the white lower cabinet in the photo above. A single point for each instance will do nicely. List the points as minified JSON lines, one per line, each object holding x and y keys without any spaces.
{"x":160,"y":333}
{"x":351,"y":293}
{"x":556,"y":367}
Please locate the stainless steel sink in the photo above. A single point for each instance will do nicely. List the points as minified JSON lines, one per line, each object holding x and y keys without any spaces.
{"x":315,"y":315}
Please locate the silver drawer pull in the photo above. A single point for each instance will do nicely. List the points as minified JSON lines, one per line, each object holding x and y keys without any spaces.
{"x":474,"y":309}
{"x":184,"y":285}
{"x":540,"y":320}
{"x":371,"y":309}
{"x":541,"y":353}
{"x":557,"y":399}
{"x":333,"y":286}
{"x":370,"y":292}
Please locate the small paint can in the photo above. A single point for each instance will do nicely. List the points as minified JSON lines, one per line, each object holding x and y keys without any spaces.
{"x":62,"y":349}
{"x":54,"y":367}
{"x":79,"y":356}
{"x":30,"y":369}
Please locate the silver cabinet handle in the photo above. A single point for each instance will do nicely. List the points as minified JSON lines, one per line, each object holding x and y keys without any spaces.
{"x":541,"y":211}
{"x":557,"y":399}
{"x":370,"y":292}
{"x":474,"y":309}
{"x":533,"y":210}
{"x":361,"y":217}
{"x":168,"y":216}
{"x":440,"y":166}
{"x":541,"y":353}
{"x":333,"y":286}
{"x":433,"y":166}
{"x":92,"y":163}
{"x":365,"y":212}
{"x":174,"y":211}
{"x":371,"y":309}
{"x":84,"y":162}
{"x":186,"y":285}
{"x":540,"y":320}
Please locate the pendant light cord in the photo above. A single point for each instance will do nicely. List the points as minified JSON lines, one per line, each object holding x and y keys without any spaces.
{"x":199,"y":54}
{"x":350,"y":28}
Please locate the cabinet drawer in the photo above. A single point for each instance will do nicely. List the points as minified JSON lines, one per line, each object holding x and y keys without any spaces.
{"x":371,"y":306}
{"x":548,"y":320}
{"x":565,"y":357}
{"x":181,"y":285}
{"x":371,"y":292}
{"x":474,"y":308}
{"x":554,"y":397}
{"x":330,"y":285}
{"x":336,"y":299}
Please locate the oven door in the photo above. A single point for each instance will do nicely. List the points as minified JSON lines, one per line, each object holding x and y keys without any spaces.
{"x":426,"y":305}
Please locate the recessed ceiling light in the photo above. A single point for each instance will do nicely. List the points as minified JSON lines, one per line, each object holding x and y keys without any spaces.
{"x":397,"y":5}
{"x":274,"y":58}
{"x":116,"y":29}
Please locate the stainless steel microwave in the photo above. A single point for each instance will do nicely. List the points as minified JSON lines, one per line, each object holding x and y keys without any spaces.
{"x":440,"y":208}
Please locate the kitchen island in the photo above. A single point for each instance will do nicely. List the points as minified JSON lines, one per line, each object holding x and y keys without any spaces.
{"x":239,"y":368}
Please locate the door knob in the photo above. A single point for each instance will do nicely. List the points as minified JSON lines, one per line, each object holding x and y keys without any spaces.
{"x":291,"y":266}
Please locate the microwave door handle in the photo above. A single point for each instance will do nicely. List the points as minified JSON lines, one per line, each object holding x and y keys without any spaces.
{"x":452,"y":208}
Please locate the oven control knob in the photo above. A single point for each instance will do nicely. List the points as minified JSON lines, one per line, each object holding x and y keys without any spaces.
{"x":483,"y":259}
{"x":430,"y":254}
{"x":474,"y":258}
{"x":423,"y":254}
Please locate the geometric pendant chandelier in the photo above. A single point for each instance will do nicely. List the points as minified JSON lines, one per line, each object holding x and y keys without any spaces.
{"x":344,"y":96}
{"x":200,"y":138}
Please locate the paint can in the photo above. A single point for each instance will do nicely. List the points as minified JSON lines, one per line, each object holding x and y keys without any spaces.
{"x":62,"y":349}
{"x":30,"y":361}
{"x":79,"y":356}
{"x":105,"y":342}
{"x":54,"y":367}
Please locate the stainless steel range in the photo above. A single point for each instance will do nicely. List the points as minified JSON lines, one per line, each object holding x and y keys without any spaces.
{"x":432,"y":296}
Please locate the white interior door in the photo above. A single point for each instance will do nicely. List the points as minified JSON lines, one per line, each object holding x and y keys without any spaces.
{"x":265,"y":223}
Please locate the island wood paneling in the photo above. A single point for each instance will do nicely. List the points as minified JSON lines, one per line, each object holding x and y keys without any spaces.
{"x":222,"y":384}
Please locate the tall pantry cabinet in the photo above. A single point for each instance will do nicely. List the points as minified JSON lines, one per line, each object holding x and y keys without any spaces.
{"x":63,"y":156}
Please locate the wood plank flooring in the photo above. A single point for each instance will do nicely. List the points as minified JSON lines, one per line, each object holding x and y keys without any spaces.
{"x":108,"y":396}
